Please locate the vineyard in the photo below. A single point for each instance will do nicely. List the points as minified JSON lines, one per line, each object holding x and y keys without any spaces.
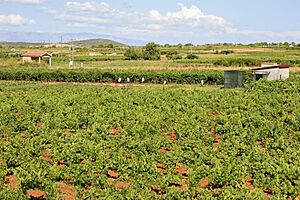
{"x":167,"y":142}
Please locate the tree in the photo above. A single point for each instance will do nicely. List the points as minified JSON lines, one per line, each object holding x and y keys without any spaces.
{"x":192,"y":56}
{"x":110,"y":46}
{"x":132,"y":54}
{"x":151,"y":51}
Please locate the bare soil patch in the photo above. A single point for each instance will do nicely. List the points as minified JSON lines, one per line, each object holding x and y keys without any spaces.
{"x":36,"y":194}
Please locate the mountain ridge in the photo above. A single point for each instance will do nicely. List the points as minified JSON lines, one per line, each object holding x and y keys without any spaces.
{"x":48,"y":37}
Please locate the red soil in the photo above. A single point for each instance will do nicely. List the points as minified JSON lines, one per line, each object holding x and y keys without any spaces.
{"x":115,"y":131}
{"x":259,"y":142}
{"x":165,"y":150}
{"x":61,"y":164}
{"x":111,"y":180}
{"x":84,"y":126}
{"x":185,"y":184}
{"x":268,"y":193}
{"x":249,"y":179}
{"x":268,"y":196}
{"x":204,"y":182}
{"x":47,"y":157}
{"x":4,"y":137}
{"x":217,"y":138}
{"x":161,"y":168}
{"x":67,"y":133}
{"x":181,"y":170}
{"x":36,"y":194}
{"x":212,"y":130}
{"x":120,"y":185}
{"x":12,"y":181}
{"x":113,"y":174}
{"x":249,"y":186}
{"x":154,"y":188}
{"x":68,"y":192}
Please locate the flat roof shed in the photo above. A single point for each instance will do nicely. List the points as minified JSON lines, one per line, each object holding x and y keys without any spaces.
{"x":278,"y":72}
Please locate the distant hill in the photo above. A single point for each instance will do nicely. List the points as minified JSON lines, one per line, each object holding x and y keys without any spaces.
{"x":19,"y":44}
{"x":55,"y":37}
{"x":82,"y":43}
{"x":96,"y":42}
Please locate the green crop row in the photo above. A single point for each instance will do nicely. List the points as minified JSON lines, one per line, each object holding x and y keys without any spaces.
{"x":135,"y":76}
{"x":238,"y":61}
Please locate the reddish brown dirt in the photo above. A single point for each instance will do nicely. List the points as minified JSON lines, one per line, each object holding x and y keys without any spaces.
{"x":185,"y":184}
{"x":212,"y":130}
{"x":111,"y":180}
{"x":61,"y":164}
{"x":36,"y":194}
{"x":204,"y":182}
{"x":172,"y":136}
{"x":249,"y":179}
{"x":84,"y":126}
{"x":217,"y":138}
{"x":268,"y":193}
{"x":4,"y":137}
{"x":161,"y":168}
{"x":68,"y":133}
{"x":22,"y":136}
{"x":165,"y":150}
{"x":268,"y":196}
{"x":249,"y":186}
{"x":181,"y":169}
{"x":121,"y":184}
{"x":11,"y":181}
{"x":47,"y":157}
{"x":113,"y":174}
{"x":68,"y":192}
{"x":115,"y":131}
{"x":259,"y":142}
{"x":154,"y":188}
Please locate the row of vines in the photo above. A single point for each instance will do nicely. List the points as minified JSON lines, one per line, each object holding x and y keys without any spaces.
{"x":88,"y":142}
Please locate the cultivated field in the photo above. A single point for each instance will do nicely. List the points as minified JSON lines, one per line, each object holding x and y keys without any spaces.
{"x":150,"y":142}
{"x":94,"y":138}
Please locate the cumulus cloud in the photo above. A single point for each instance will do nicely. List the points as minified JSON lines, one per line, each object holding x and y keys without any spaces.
{"x":15,"y":20}
{"x":185,"y":22}
{"x":24,"y":1}
{"x":192,"y":16}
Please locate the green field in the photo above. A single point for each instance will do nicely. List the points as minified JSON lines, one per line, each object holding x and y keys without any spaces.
{"x":147,"y":142}
{"x":176,"y":56}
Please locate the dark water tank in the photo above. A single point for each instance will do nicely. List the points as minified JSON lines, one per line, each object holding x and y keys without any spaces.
{"x":233,"y":79}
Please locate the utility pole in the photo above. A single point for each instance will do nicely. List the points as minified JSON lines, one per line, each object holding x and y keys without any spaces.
{"x":72,"y":54}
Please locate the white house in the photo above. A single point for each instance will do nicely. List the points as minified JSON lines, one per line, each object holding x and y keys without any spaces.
{"x":277,"y":72}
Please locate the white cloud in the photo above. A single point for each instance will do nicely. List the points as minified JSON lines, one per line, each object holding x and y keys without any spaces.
{"x":188,"y":22}
{"x":89,"y":6}
{"x":192,"y":16}
{"x":24,"y":1}
{"x":15,"y":20}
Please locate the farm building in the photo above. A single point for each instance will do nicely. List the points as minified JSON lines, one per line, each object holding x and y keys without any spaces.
{"x":38,"y":56}
{"x":233,"y":78}
{"x":277,"y":72}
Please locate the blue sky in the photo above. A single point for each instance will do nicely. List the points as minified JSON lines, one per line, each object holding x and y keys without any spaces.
{"x":161,"y":21}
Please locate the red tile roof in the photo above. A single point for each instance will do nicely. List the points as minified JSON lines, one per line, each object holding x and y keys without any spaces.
{"x":36,"y":54}
{"x":272,"y":67}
